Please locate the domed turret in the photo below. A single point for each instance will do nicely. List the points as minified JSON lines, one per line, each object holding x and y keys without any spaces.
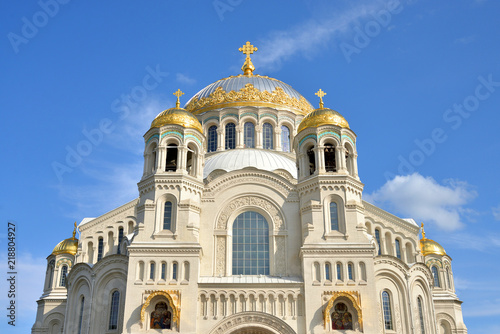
{"x":67,"y":246}
{"x":177,"y":116}
{"x":430,"y":247}
{"x":322,"y":116}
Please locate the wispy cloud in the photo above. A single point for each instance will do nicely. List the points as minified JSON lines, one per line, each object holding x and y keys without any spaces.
{"x":185,"y":79}
{"x":496,"y":212}
{"x":465,"y":39}
{"x":309,"y":37}
{"x":484,"y":243}
{"x":425,"y":199}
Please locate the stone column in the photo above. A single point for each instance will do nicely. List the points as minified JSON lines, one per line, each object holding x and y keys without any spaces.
{"x":277,"y":139}
{"x":258,"y":136}
{"x":320,"y":153}
{"x":220,"y":139}
{"x":240,"y":138}
{"x":340,"y":159}
{"x":160,"y":165}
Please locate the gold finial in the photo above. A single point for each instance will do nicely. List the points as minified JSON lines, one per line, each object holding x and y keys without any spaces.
{"x":248,"y":49}
{"x":74,"y":232}
{"x":423,"y":232}
{"x":178,"y":94}
{"x":320,"y":93}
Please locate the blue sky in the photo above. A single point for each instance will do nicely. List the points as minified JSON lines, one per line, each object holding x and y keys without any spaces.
{"x":420,"y":86}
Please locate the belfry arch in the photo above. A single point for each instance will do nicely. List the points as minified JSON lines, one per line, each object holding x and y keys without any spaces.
{"x":252,"y":323}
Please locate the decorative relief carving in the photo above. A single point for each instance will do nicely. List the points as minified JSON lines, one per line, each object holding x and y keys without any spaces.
{"x":353,"y":296}
{"x":399,"y":327}
{"x":279,"y":258}
{"x":262,"y":203}
{"x":233,"y":322}
{"x":220,"y":265}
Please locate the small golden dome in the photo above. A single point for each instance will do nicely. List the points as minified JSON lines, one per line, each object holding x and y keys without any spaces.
{"x":67,"y":246}
{"x":428,"y":246}
{"x":177,"y":116}
{"x":323,"y":116}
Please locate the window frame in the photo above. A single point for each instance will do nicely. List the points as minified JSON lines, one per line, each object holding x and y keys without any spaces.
{"x":114,"y":309}
{"x":212,"y":139}
{"x":268,"y":136}
{"x":388,"y":321}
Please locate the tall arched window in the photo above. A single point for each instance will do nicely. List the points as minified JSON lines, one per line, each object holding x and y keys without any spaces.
{"x":339,"y":271}
{"x":398,"y":249}
{"x":362,"y":270}
{"x":377,"y":237}
{"x":268,"y":136}
{"x":328,"y":271}
{"x":113,"y":312}
{"x":421,"y":315}
{"x":330,"y":161}
{"x":50,"y":272}
{"x":163,"y":270}
{"x":285,"y":138}
{"x":171,"y":159}
{"x":185,"y":271}
{"x":386,"y":306}
{"x":167,"y":216}
{"x":80,"y":317}
{"x":174,"y":271}
{"x":249,"y":134}
{"x":311,"y":159}
{"x":317,"y":272}
{"x":334,"y":216}
{"x":350,"y":271}
{"x":152,"y":271}
{"x":140,"y":271}
{"x":250,"y":244}
{"x":435,"y":274}
{"x":448,"y":277}
{"x":230,"y":136}
{"x":212,"y":139}
{"x":100,"y":248}
{"x":120,"y":238}
{"x":64,"y":272}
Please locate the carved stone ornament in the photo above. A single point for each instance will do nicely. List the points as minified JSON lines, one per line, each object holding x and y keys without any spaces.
{"x":353,"y":296}
{"x":174,"y":300}
{"x":254,"y":201}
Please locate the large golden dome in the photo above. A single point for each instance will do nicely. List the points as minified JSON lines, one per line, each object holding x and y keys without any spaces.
{"x":428,"y":246}
{"x":323,"y":116}
{"x":67,"y":246}
{"x":177,"y":116}
{"x":248,"y":90}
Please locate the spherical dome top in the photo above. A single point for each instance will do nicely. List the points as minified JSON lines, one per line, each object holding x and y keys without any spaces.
{"x":240,"y":158}
{"x":248,"y":90}
{"x":428,"y":247}
{"x":67,"y":246}
{"x":323,"y":116}
{"x":177,"y":116}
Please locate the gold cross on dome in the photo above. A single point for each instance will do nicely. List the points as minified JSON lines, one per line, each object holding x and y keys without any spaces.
{"x":248,"y":49}
{"x":178,"y":94}
{"x":320,"y":94}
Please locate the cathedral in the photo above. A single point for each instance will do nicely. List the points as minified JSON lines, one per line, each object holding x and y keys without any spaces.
{"x":249,"y":220}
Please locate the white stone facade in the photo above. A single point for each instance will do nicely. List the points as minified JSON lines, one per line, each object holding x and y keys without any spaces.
{"x":185,"y":271}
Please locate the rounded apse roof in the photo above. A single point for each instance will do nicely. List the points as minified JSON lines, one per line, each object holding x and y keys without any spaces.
{"x":240,"y":158}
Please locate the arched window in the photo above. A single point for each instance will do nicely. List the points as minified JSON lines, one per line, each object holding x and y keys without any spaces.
{"x":386,"y":306}
{"x":330,"y":163}
{"x":435,"y":274}
{"x":64,"y":272}
{"x":285,"y":138}
{"x":348,"y":161}
{"x":50,"y":272}
{"x":409,"y":253}
{"x":192,"y":160}
{"x":311,"y":159}
{"x":167,"y":216}
{"x":334,"y":216}
{"x":377,"y":237}
{"x":163,"y":270}
{"x":100,"y":248}
{"x":113,"y":312}
{"x":171,"y":160}
{"x":249,"y":135}
{"x":398,"y":249}
{"x":268,"y":136}
{"x":230,"y":136}
{"x":174,"y":271}
{"x":339,"y":271}
{"x":341,"y":318}
{"x":80,"y":317}
{"x":328,"y":271}
{"x":350,"y":271}
{"x":421,"y":315}
{"x":130,"y":227}
{"x":152,"y":271}
{"x":250,"y":244}
{"x":317,"y":272}
{"x":120,"y":238}
{"x":90,"y":251}
{"x":448,"y":277}
{"x":186,"y":271}
{"x":362,"y":270}
{"x":212,"y":139}
{"x":140,"y":271}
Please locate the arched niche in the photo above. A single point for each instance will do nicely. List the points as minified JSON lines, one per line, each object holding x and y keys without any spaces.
{"x":353,"y":307}
{"x":154,"y":299}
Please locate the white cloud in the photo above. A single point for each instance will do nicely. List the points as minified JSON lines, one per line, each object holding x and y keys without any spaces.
{"x":309,"y":37}
{"x":465,"y":39}
{"x":422,"y":198}
{"x":185,"y":79}
{"x":496,"y":212}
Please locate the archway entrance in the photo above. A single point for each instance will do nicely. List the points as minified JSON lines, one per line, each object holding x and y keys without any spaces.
{"x":252,"y":323}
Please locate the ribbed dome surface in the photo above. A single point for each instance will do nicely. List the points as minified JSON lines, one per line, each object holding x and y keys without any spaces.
{"x":67,"y":246}
{"x":428,"y":246}
{"x":240,"y":158}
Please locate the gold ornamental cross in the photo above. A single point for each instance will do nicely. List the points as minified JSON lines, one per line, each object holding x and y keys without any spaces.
{"x":320,"y":94}
{"x":178,"y":93}
{"x":248,"y":49}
